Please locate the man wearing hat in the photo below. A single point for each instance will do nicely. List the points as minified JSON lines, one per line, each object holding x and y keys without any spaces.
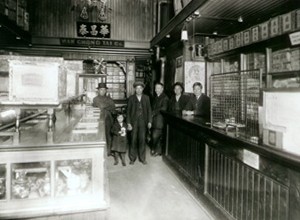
{"x":139,"y":118}
{"x":107,"y":107}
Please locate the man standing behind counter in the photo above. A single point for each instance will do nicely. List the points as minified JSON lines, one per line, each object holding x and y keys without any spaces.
{"x":139,"y":117}
{"x":199,"y":103}
{"x":160,"y":103}
{"x":107,"y":107}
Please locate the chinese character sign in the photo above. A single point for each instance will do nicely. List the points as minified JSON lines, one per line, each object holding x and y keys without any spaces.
{"x":88,"y":29}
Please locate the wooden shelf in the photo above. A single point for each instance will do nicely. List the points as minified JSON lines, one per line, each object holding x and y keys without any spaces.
{"x":11,"y":26}
{"x":92,"y":75}
{"x":286,"y":73}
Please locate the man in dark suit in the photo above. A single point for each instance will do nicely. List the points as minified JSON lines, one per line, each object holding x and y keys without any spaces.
{"x":199,"y":103}
{"x":178,"y":101}
{"x":139,"y":118}
{"x":160,"y":103}
{"x":107,"y":107}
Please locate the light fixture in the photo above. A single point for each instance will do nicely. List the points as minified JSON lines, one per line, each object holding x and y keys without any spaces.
{"x":18,"y":38}
{"x":215,"y":33}
{"x":240,"y":19}
{"x":168,"y":36}
{"x":184,"y":33}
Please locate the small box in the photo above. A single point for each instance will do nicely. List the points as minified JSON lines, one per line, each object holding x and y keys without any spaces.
{"x":238,"y":40}
{"x":246,"y":37}
{"x":287,"y":22}
{"x":225,"y":44}
{"x":255,"y":34}
{"x":297,"y":18}
{"x":220,"y":46}
{"x":264,"y":30}
{"x":273,"y":138}
{"x":275,"y":27}
{"x":231,"y":43}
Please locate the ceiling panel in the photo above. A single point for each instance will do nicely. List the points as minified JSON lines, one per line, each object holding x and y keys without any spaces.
{"x":252,"y":11}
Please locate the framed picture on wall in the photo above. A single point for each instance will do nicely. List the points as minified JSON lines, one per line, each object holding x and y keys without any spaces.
{"x":179,"y":70}
{"x":194,"y":72}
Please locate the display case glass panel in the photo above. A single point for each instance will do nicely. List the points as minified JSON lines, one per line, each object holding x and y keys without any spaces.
{"x":2,"y":181}
{"x":73,"y":177}
{"x":30,"y":180}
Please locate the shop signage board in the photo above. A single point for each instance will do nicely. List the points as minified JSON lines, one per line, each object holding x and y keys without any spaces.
{"x":91,"y":29}
{"x":86,"y":42}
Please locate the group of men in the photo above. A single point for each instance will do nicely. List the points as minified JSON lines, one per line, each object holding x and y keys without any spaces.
{"x":142,"y":117}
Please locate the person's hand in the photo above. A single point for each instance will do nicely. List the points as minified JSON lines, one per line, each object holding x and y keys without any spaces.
{"x":149,"y":125}
{"x":129,"y":127}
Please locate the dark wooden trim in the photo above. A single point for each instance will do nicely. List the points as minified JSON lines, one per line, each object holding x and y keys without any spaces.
{"x":14,"y":28}
{"x":177,"y":20}
{"x":217,"y":137}
{"x":61,"y":51}
{"x":213,"y":209}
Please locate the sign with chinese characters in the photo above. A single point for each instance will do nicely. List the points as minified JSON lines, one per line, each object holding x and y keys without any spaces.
{"x":91,"y":42}
{"x":90,"y":29}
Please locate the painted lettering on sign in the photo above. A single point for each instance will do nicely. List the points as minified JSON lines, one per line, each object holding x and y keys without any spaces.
{"x":91,"y":42}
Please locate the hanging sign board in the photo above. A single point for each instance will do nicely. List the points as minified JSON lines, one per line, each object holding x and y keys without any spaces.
{"x":91,"y":42}
{"x":295,"y":38}
{"x":90,"y":29}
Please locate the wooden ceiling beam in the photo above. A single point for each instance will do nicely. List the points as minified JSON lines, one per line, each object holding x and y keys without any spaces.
{"x":178,"y":19}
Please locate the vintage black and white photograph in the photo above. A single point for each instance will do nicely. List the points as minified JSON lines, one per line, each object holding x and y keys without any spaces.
{"x":150,"y":109}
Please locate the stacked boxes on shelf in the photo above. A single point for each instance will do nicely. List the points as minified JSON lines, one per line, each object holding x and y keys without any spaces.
{"x":230,"y":65}
{"x":256,"y":61}
{"x":116,"y":81}
{"x":286,"y":60}
{"x":295,"y":58}
{"x":279,"y":25}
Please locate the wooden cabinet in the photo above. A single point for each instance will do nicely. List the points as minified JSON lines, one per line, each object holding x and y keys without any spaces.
{"x":49,"y":180}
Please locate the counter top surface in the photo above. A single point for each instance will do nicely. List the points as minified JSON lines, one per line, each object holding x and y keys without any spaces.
{"x":229,"y":143}
{"x":34,"y":133}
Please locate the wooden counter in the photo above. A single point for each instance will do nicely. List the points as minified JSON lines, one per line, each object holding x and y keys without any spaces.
{"x":243,"y":180}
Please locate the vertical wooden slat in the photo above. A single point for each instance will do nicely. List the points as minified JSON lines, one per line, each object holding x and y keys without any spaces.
{"x":129,"y":19}
{"x":245,"y":193}
{"x":275,"y":202}
{"x":221,"y":180}
{"x":283,"y":203}
{"x":268,"y":201}
{"x":257,"y":195}
{"x":233,"y":189}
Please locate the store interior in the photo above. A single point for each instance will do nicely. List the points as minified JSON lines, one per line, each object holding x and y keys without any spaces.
{"x":242,"y":163}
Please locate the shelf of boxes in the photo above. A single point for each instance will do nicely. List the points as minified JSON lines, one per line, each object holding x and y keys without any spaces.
{"x":115,"y":81}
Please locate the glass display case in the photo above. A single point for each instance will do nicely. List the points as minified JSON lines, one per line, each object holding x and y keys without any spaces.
{"x":48,"y":180}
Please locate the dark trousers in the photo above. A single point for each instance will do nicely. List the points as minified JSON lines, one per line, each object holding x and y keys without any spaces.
{"x":157,"y":140}
{"x":138,"y":141}
{"x":108,"y":137}
{"x":119,"y":154}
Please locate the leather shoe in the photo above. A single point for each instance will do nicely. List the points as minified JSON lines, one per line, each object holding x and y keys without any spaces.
{"x":144,"y":162}
{"x":131,"y":162}
{"x":116,"y":163}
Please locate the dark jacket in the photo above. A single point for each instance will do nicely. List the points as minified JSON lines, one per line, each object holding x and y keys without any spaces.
{"x":132,"y":109}
{"x":106,"y":105}
{"x":200,"y":106}
{"x":119,"y":143}
{"x":160,"y":103}
{"x":183,"y":100}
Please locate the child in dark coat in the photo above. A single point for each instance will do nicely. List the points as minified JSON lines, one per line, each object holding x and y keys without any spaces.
{"x":119,"y":139}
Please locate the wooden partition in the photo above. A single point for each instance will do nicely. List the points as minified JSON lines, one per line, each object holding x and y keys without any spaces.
{"x":233,"y":178}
